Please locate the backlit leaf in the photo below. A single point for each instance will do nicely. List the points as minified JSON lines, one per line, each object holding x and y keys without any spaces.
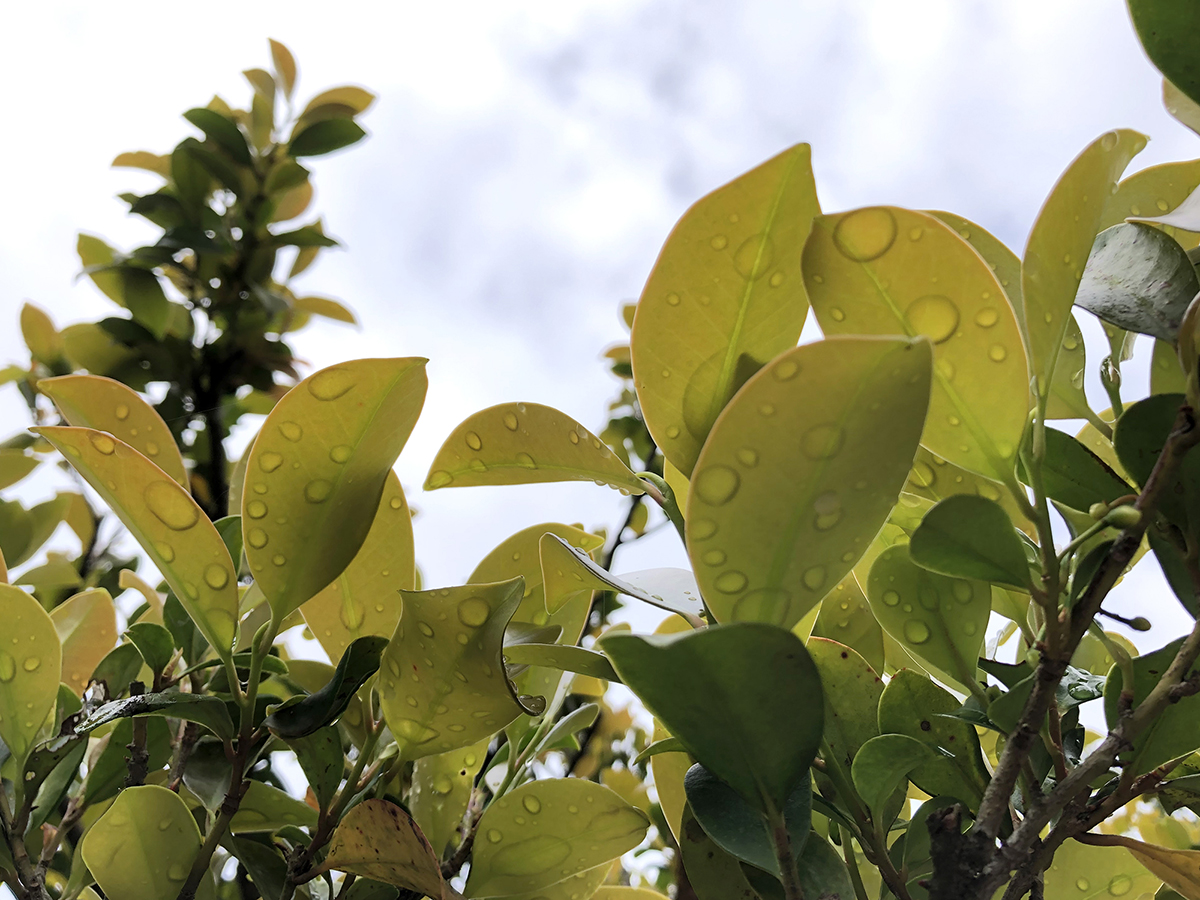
{"x":881,"y":768}
{"x":525,"y":443}
{"x":1176,"y":730}
{"x":14,"y":466}
{"x":41,"y":337}
{"x":713,"y":873}
{"x":1084,"y":872}
{"x":970,"y":537}
{"x":319,"y":464}
{"x":223,"y":132}
{"x":29,"y":672}
{"x":356,"y":98}
{"x":725,"y":296}
{"x":441,"y":789}
{"x":143,"y":159}
{"x":1179,"y":869}
{"x":1152,"y":192}
{"x":285,"y":66}
{"x":772,"y":530}
{"x":1166,"y":377}
{"x":88,"y":346}
{"x":379,"y":840}
{"x":846,"y":618}
{"x":323,"y":306}
{"x":669,"y":770}
{"x":325,"y":137}
{"x":266,"y":808}
{"x":932,"y":478}
{"x":302,"y":716}
{"x":852,"y":690}
{"x":87,"y":628}
{"x":165,"y":520}
{"x":320,"y":756}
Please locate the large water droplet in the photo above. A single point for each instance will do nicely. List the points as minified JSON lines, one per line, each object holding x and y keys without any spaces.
{"x":813,"y":577}
{"x":754,"y":257}
{"x":257,"y":538}
{"x":473,"y":612}
{"x":713,"y":557}
{"x":962,"y":590}
{"x":291,"y":430}
{"x":31,"y":663}
{"x":717,"y":485}
{"x":828,"y":509}
{"x":341,"y":453}
{"x":216,"y":576}
{"x":425,"y":628}
{"x":510,"y":421}
{"x":494,"y":836}
{"x":317,"y":491}
{"x":891,"y":598}
{"x":934,"y":316}
{"x":526,"y":461}
{"x":329,"y":384}
{"x":8,"y":667}
{"x":165,"y":550}
{"x":922,"y":475}
{"x":256,"y":509}
{"x":997,"y":353}
{"x":122,"y":411}
{"x":270,"y":461}
{"x":442,"y":784}
{"x":103,"y":443}
{"x":702,"y":529}
{"x":822,"y":441}
{"x":532,"y":804}
{"x":786,"y":370}
{"x":171,"y":506}
{"x":473,"y":441}
{"x":928,"y":598}
{"x":1082,"y":884}
{"x":730,"y":582}
{"x":1120,"y":885}
{"x":916,"y":632}
{"x":440,"y":478}
{"x":177,"y":872}
{"x":672,"y":299}
{"x":865,"y":234}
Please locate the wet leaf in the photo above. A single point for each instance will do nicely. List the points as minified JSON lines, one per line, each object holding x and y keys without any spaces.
{"x":210,"y":712}
{"x":978,"y":406}
{"x":770,"y":530}
{"x":29,"y":672}
{"x":320,"y":757}
{"x":302,"y":716}
{"x":320,"y":463}
{"x":364,"y":599}
{"x":846,"y":618}
{"x":379,"y":840}
{"x":560,"y":656}
{"x":91,"y":401}
{"x":934,"y":617}
{"x":266,"y":808}
{"x":548,"y":830}
{"x":1061,"y":240}
{"x":1166,"y":377}
{"x":730,"y":695}
{"x":441,"y":790}
{"x":852,"y":690}
{"x":525,"y":443}
{"x":581,"y":884}
{"x":1175,"y":732}
{"x":143,"y":846}
{"x":443,"y":683}
{"x":970,"y":537}
{"x":725,"y":296}
{"x":1178,"y":869}
{"x":87,"y":628}
{"x":1083,"y":872}
{"x":1153,"y":191}
{"x":881,"y":767}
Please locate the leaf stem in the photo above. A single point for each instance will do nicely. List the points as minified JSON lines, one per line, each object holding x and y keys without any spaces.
{"x":781,"y":842}
{"x":860,"y":889}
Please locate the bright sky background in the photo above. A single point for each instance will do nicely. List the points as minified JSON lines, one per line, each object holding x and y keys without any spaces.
{"x":527,"y":160}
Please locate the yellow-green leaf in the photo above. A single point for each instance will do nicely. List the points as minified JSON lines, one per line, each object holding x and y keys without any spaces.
{"x":179,"y":539}
{"x":93,"y":401}
{"x":30,"y":661}
{"x":356,"y":98}
{"x":442,"y":681}
{"x":441,"y":789}
{"x":846,"y":617}
{"x":1166,"y":376}
{"x":669,"y":770}
{"x":266,"y":808}
{"x":41,"y":337}
{"x":526,"y":443}
{"x":549,"y":830}
{"x":293,"y":203}
{"x":794,"y":482}
{"x":144,"y":159}
{"x":380,"y":841}
{"x":1181,"y":106}
{"x":725,"y":296}
{"x":1154,"y":191}
{"x":618,"y":892}
{"x":1178,"y":869}
{"x":318,"y":466}
{"x":323,"y":306}
{"x":285,"y":66}
{"x":1084,"y":872}
{"x":581,"y":884}
{"x":932,"y":478}
{"x":365,"y":598}
{"x":94,"y":252}
{"x":88,"y":346}
{"x":86,"y":625}
{"x":15,"y":465}
{"x":143,"y":847}
{"x":871,"y":271}
{"x":1060,"y":242}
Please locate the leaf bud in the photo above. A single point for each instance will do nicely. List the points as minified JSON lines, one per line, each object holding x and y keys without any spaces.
{"x":1124,"y":517}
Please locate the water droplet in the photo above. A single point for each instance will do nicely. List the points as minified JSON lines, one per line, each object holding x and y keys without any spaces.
{"x":1109,"y":142}
{"x":914,"y":234}
{"x":425,"y":629}
{"x":279,"y":559}
{"x":713,"y":557}
{"x":747,"y":457}
{"x":395,"y":503}
{"x":151,"y":449}
{"x":766,"y":410}
{"x":270,"y":461}
{"x":414,"y":732}
{"x":291,"y":430}
{"x":776,"y":279}
{"x":442,"y":784}
{"x":177,"y":872}
{"x":754,"y":257}
{"x":317,"y":491}
{"x":922,"y":475}
{"x":785,"y":370}
{"x":165,"y":550}
{"x":122,"y":411}
{"x":969,"y":629}
{"x":962,"y":590}
{"x":822,"y":441}
{"x":8,"y":667}
{"x":473,"y":612}
{"x":256,"y":509}
{"x":828,"y":509}
{"x":916,"y":632}
{"x":171,"y":506}
{"x":341,"y":453}
{"x":532,"y":804}
{"x":103,"y":443}
{"x":1083,"y":884}
{"x":329,"y":384}
{"x":934,"y":316}
{"x":814,"y":577}
{"x":473,"y":441}
{"x":525,"y":460}
{"x":954,"y":420}
{"x":672,"y":431}
{"x":259,"y":488}
{"x":440,"y":478}
{"x":573,"y":437}
{"x":510,"y":421}
{"x":1162,"y":205}
{"x":216,"y":576}
{"x":945,"y":368}
{"x":31,"y":663}
{"x":730,"y":582}
{"x":717,"y":485}
{"x":719,"y":242}
{"x":494,"y":836}
{"x":672,"y":299}
{"x":997,"y":353}
{"x":865,"y":234}
{"x":1120,"y":885}
{"x":837,"y":314}
{"x":702,"y":529}
{"x":257,"y":538}
{"x":891,"y":598}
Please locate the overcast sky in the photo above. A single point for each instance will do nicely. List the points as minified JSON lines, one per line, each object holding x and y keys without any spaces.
{"x":526,"y":161}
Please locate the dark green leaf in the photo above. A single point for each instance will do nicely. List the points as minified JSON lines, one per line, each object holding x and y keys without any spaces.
{"x":325,"y":137}
{"x":320,"y":756}
{"x":1074,"y":475}
{"x":1139,"y":437}
{"x":145,"y":299}
{"x":1176,"y":731}
{"x":221,"y":131}
{"x":207,"y":711}
{"x":308,"y":236}
{"x":118,"y":669}
{"x":264,"y":863}
{"x":881,"y":768}
{"x":970,"y":537}
{"x":108,"y":774}
{"x":1174,"y":569}
{"x":1169,"y":32}
{"x":154,"y":642}
{"x":300,"y":717}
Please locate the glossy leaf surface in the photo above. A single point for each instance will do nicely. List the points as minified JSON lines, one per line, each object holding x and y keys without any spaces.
{"x":380,"y":841}
{"x":881,"y":768}
{"x":442,"y":789}
{"x":713,"y":873}
{"x":87,"y":628}
{"x":302,"y":716}
{"x":970,"y":537}
{"x":266,"y":808}
{"x":846,"y":618}
{"x":210,"y":712}
{"x":1168,"y":32}
{"x":30,"y":662}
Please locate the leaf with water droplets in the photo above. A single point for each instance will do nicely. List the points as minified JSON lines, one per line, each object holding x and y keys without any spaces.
{"x":549,"y":830}
{"x":30,"y":662}
{"x":318,"y":468}
{"x":770,"y":530}
{"x":846,"y":618}
{"x":442,"y":683}
{"x":932,"y":478}
{"x":935,"y":618}
{"x":301,"y":716}
{"x":526,"y":443}
{"x":730,"y":695}
{"x":179,"y":539}
{"x":852,"y":689}
{"x":725,"y":296}
{"x":885,"y":270}
{"x":365,"y":598}
{"x":92,"y":401}
{"x":580,"y":885}
{"x":87,"y":628}
{"x":441,"y":790}
{"x":1155,"y":191}
{"x":1166,"y":376}
{"x":881,"y":767}
{"x":1061,"y":240}
{"x":1179,"y":869}
{"x":970,"y":537}
{"x":143,"y":846}
{"x":379,"y":840}
{"x":1084,"y":872}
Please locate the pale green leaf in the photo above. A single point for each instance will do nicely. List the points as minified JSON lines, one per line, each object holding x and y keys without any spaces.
{"x":441,"y":789}
{"x":846,"y":618}
{"x":30,"y":662}
{"x":881,"y":768}
{"x":87,"y":628}
{"x":266,"y":808}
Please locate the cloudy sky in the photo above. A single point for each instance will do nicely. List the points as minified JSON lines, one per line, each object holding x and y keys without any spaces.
{"x":527,"y":159}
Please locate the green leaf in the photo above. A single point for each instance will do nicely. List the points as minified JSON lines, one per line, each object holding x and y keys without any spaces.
{"x":739,"y":828}
{"x":1139,"y":437}
{"x":41,"y":337}
{"x":937,"y":619}
{"x":443,"y":683}
{"x":547,"y":830}
{"x":1175,"y":571}
{"x":732,"y":695}
{"x":319,"y":464}
{"x":207,"y":711}
{"x":103,"y":404}
{"x":564,"y":730}
{"x":882,"y":766}
{"x":970,"y":537}
{"x":1084,"y":872}
{"x":304,"y":715}
{"x":29,"y":675}
{"x":1166,"y":376}
{"x":223,"y":132}
{"x":441,"y":790}
{"x":284,"y":65}
{"x":525,"y":443}
{"x":852,"y":690}
{"x":325,"y":137}
{"x":725,"y":296}
{"x":14,"y":466}
{"x":320,"y":757}
{"x":364,"y":599}
{"x":1169,"y":33}
{"x":87,"y":629}
{"x":846,"y":617}
{"x":107,"y":776}
{"x":1175,"y":732}
{"x":379,"y":840}
{"x":325,"y":307}
{"x":118,"y":668}
{"x":145,"y":299}
{"x":867,"y":272}
{"x":559,"y":656}
{"x":95,"y":254}
{"x":355,"y":98}
{"x":165,"y":520}
{"x":264,"y":864}
{"x":266,"y":808}
{"x":913,"y":705}
{"x":154,"y":642}
{"x":1155,"y":190}
{"x":1061,"y":240}
{"x":713,"y":873}
{"x":1074,"y":475}
{"x":770,"y":530}
{"x":143,"y":846}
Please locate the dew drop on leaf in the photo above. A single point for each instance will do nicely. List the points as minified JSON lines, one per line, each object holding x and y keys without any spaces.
{"x":103,"y":443}
{"x":473,"y":612}
{"x":730,"y":582}
{"x":330,"y":384}
{"x":171,"y":506}
{"x":916,"y":632}
{"x":717,"y":485}
{"x":934,"y":316}
{"x":822,"y":441}
{"x":8,"y":667}
{"x":317,"y":491}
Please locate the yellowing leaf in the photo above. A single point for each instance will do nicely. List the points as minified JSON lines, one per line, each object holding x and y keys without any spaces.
{"x":380,"y":841}
{"x":441,"y":789}
{"x":293,"y":203}
{"x":932,"y":478}
{"x":355,"y":98}
{"x":285,"y":67}
{"x":1085,"y":872}
{"x":92,"y":401}
{"x":442,"y":681}
{"x":794,"y":482}
{"x":323,"y":306}
{"x":179,"y":539}
{"x":87,"y":628}
{"x":94,"y":252}
{"x":365,"y":598}
{"x":872,"y":271}
{"x":143,"y":159}
{"x":30,"y":660}
{"x":318,"y":466}
{"x":526,"y":443}
{"x":669,"y":770}
{"x":725,"y":296}
{"x":548,"y":830}
{"x":1060,"y":242}
{"x":41,"y":337}
{"x":1178,"y":869}
{"x":15,"y":465}
{"x":143,"y":847}
{"x":88,"y":346}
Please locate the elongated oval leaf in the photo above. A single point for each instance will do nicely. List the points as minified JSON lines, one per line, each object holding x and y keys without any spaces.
{"x":320,"y":756}
{"x":970,"y":537}
{"x":525,"y":443}
{"x":266,"y":808}
{"x":852,"y":690}
{"x":846,"y":619}
{"x":303,"y":716}
{"x":1074,"y":475}
{"x":881,"y":768}
{"x":379,"y":840}
{"x":725,"y":296}
{"x":1084,"y":872}
{"x":559,"y":656}
{"x":1175,"y":732}
{"x":87,"y":628}
{"x":1139,"y":438}
{"x":176,"y":535}
{"x":794,"y":482}
{"x":1169,"y":32}
{"x":932,"y":478}
{"x":30,"y":661}
{"x":868,"y":272}
{"x":549,"y":830}
{"x":317,"y":470}
{"x":210,"y":712}
{"x":441,"y":790}
{"x":1179,"y":869}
